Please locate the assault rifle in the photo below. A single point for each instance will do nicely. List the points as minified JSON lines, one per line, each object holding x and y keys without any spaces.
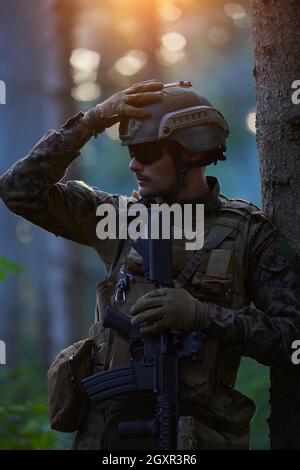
{"x":154,"y":360}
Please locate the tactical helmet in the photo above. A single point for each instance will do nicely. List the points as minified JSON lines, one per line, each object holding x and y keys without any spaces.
{"x":182,"y":117}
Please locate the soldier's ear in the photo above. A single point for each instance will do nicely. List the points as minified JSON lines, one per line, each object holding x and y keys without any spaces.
{"x":189,"y":156}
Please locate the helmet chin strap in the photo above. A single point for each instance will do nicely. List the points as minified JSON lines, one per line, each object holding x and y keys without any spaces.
{"x":182,"y":169}
{"x":181,"y":166}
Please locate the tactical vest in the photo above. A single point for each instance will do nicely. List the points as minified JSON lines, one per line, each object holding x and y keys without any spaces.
{"x":215,"y":275}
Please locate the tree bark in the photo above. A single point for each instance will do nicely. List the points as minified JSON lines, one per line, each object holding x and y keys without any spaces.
{"x":276,"y":31}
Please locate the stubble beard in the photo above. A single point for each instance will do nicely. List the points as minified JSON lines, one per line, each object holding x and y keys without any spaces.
{"x":159,"y":194}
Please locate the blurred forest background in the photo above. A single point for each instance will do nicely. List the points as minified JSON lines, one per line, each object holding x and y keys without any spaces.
{"x":61,"y":56}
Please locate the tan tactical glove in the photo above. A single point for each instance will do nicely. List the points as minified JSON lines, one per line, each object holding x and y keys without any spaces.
{"x":168,"y":309}
{"x":124,"y":103}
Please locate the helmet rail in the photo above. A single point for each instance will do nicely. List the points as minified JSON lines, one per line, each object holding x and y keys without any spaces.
{"x":189,"y":117}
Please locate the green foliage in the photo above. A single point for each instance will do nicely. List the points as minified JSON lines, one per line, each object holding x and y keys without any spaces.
{"x":253,"y":381}
{"x":24,"y":419}
{"x":8,"y":268}
{"x":25,"y":427}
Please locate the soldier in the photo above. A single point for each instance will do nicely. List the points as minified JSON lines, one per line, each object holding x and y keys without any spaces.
{"x":242,"y":293}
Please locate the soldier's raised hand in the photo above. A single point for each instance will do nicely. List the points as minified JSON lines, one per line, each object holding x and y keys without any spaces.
{"x":125,"y":103}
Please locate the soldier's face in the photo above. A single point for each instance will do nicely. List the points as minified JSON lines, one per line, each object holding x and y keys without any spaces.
{"x":156,"y":176}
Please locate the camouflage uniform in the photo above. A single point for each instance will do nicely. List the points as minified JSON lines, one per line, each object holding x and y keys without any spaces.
{"x":262,"y":325}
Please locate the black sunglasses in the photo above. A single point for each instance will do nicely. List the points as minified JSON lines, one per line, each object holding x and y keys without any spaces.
{"x":146,"y":153}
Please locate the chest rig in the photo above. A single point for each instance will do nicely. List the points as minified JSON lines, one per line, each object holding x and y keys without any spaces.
{"x":215,"y":274}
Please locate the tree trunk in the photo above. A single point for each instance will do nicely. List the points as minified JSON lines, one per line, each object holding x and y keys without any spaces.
{"x":276,"y":26}
{"x":44,"y":304}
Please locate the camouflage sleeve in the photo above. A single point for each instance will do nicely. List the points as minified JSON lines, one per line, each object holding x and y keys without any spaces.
{"x":266,"y":328}
{"x":31,"y":188}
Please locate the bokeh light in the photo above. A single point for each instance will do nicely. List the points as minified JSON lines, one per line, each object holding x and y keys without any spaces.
{"x":169,"y":12}
{"x":85,"y":63}
{"x":251,"y":122}
{"x":85,"y":59}
{"x":131,"y":63}
{"x":167,"y":58}
{"x":80,"y":76}
{"x":87,"y":91}
{"x":173,"y":41}
{"x":234,"y":10}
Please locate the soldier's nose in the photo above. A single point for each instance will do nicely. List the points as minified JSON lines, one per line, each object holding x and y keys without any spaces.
{"x":135,"y":165}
